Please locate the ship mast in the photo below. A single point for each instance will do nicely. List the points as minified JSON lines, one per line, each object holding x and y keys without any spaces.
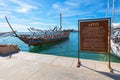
{"x":60,"y":21}
{"x":108,"y":4}
{"x":113,"y":10}
{"x":11,"y":26}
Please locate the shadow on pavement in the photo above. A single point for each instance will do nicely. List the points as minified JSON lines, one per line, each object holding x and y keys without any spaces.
{"x":108,"y":74}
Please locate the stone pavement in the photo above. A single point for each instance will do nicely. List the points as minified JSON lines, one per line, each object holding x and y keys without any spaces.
{"x":31,"y":66}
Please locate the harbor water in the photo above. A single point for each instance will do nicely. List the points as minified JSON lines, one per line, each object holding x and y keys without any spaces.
{"x":67,"y":48}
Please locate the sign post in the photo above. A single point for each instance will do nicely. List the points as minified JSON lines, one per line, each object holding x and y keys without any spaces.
{"x":79,"y":62}
{"x":94,"y":36}
{"x":109,"y":64}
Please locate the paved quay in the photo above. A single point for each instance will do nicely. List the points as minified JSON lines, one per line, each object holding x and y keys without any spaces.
{"x":32,"y":66}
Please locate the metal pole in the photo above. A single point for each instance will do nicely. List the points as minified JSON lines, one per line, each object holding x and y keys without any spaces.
{"x":109,"y":45}
{"x":79,"y":62}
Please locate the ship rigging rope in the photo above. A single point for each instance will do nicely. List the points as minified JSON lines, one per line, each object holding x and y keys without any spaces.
{"x":3,"y":41}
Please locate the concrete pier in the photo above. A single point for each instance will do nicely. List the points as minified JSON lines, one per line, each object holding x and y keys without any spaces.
{"x":32,"y":66}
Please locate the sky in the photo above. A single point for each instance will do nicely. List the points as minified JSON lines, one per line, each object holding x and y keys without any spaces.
{"x":44,"y":14}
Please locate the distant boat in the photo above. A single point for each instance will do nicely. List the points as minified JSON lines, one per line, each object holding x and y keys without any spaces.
{"x":40,"y":37}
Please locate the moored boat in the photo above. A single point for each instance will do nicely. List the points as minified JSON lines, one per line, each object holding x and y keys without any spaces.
{"x":115,"y":41}
{"x":115,"y":32}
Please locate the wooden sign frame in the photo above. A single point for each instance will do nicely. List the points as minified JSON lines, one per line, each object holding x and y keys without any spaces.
{"x":85,"y":33}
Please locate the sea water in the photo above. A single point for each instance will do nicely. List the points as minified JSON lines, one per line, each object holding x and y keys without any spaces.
{"x":67,"y":48}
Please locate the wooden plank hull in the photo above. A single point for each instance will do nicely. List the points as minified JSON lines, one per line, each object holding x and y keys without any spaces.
{"x":39,"y":41}
{"x":46,"y":42}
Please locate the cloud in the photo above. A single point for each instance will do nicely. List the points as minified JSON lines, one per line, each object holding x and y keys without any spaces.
{"x":40,"y":13}
{"x":2,"y":3}
{"x":60,"y":7}
{"x":22,"y":6}
{"x":72,"y":3}
{"x":42,"y":25}
{"x":4,"y":27}
{"x":76,"y":7}
{"x":17,"y":27}
{"x":4,"y":13}
{"x":117,"y":10}
{"x":116,"y":24}
{"x":66,"y":10}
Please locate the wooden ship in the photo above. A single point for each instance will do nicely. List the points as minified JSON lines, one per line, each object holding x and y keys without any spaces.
{"x":40,"y":37}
